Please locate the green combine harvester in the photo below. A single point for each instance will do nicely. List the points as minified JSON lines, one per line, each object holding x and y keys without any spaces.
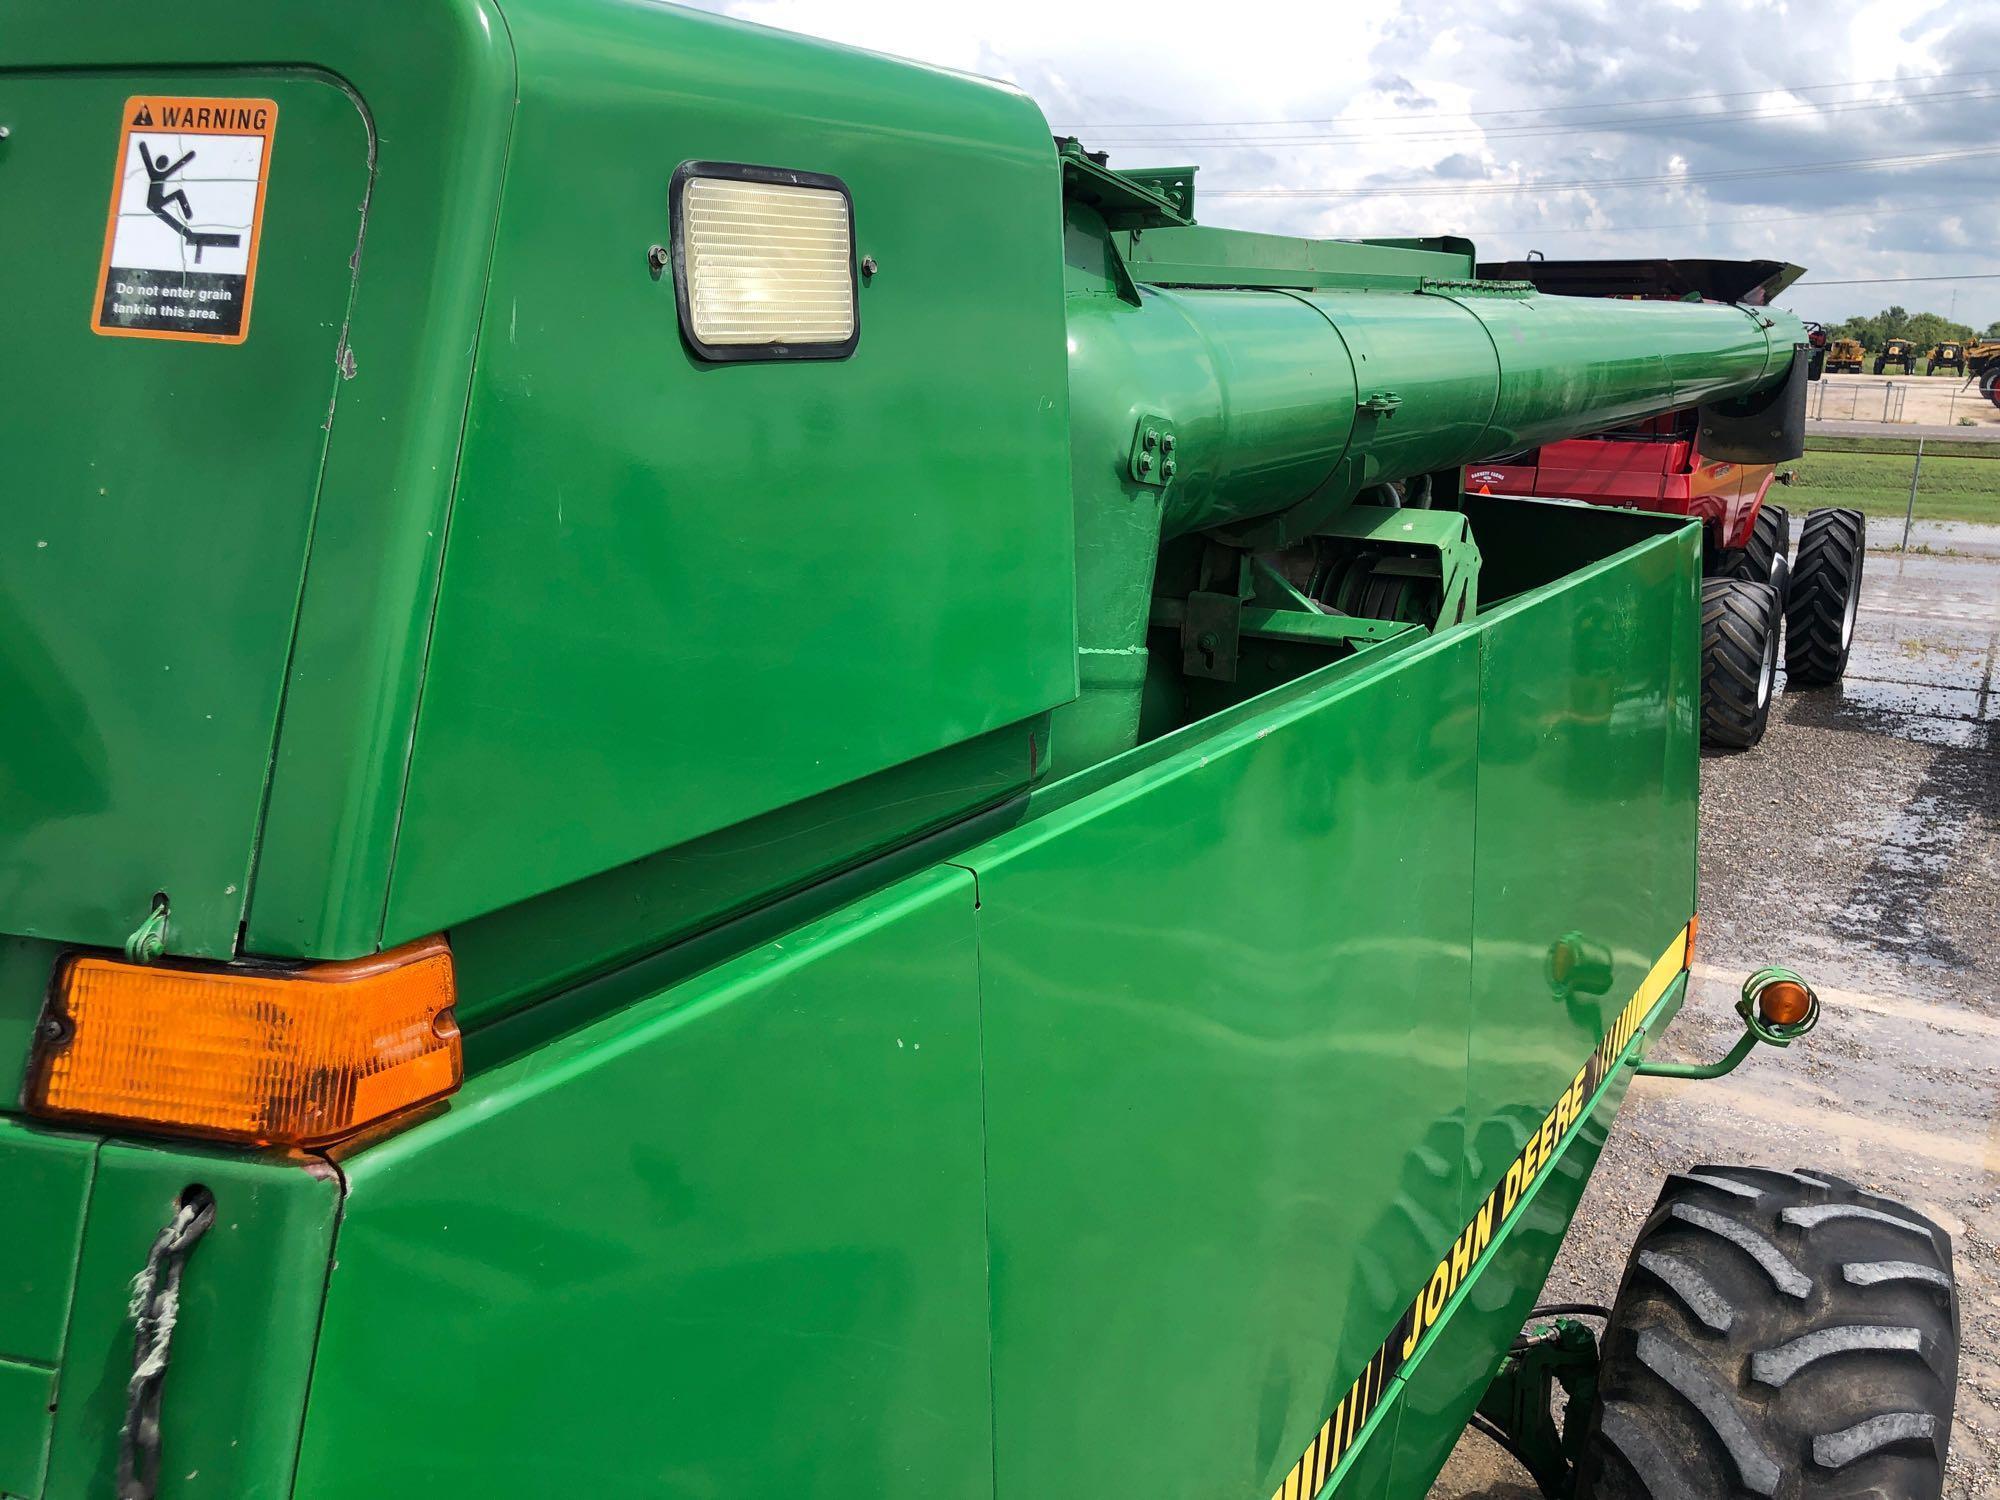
{"x":724,"y":780}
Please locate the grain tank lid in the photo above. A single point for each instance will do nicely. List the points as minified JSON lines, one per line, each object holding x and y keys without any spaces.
{"x":1754,"y":283}
{"x":1147,"y":199}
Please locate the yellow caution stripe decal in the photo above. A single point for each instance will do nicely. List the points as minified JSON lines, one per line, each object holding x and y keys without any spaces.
{"x":1336,"y":1435}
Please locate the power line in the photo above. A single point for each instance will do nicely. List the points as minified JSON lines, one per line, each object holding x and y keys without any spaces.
{"x":1887,"y":280}
{"x":1633,"y":123}
{"x":1732,"y":174}
{"x":1542,"y":109}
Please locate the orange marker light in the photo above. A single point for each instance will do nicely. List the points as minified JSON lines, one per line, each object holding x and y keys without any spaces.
{"x":1784,"y":1002}
{"x":292,"y":1058}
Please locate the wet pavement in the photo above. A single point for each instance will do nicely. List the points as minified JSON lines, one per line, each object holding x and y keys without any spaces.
{"x":1860,"y":843}
{"x":1950,"y":538}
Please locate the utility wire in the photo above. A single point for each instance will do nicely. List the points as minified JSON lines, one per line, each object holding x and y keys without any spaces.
{"x":1609,"y":126}
{"x":1541,"y":109}
{"x":1580,"y":184}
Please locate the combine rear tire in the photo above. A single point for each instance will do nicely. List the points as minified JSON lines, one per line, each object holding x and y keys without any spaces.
{"x":1767,"y":556}
{"x":1779,"y":1334}
{"x":1739,"y":660}
{"x":1824,"y":597}
{"x":1774,"y":527}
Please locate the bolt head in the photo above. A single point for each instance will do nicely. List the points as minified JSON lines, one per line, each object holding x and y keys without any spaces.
{"x":1145,"y":464}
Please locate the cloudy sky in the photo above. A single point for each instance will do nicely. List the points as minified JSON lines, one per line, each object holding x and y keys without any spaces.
{"x":1524,"y":123}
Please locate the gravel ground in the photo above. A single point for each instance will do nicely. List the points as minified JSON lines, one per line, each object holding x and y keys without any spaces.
{"x":1929,"y":401}
{"x":1861,"y":843}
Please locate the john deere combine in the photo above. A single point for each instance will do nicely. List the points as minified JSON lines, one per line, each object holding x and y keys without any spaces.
{"x":723,"y":780}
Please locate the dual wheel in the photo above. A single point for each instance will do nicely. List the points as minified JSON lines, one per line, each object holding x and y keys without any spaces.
{"x":1757,"y":596}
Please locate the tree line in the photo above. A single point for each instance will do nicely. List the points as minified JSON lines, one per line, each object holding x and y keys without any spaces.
{"x":1922,"y":329}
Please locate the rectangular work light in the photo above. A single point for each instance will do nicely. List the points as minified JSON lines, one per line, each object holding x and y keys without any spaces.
{"x":765,"y":262}
{"x":283,"y":1057}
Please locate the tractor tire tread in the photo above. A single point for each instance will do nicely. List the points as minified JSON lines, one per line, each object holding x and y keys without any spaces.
{"x":1827,"y":570}
{"x":1737,"y":616}
{"x":1761,"y":559}
{"x":1719,"y":1379}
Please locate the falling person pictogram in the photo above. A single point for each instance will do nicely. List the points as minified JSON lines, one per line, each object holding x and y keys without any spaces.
{"x":158,"y":172}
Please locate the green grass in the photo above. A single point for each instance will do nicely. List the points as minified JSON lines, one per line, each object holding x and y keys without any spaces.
{"x":1953,"y":486}
{"x":1973,"y":448}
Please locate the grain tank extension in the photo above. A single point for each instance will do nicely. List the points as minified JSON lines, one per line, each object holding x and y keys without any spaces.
{"x":726,"y":778}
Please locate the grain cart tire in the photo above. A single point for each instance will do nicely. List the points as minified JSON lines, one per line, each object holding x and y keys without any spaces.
{"x":1739,"y":660}
{"x":1824,"y":597}
{"x":1779,"y":1334}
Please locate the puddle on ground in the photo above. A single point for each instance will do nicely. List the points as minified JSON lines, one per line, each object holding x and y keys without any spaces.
{"x":1922,"y":713}
{"x":1891,"y":903}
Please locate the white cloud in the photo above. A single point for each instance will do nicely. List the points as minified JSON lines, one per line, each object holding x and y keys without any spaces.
{"x":1394,"y":80}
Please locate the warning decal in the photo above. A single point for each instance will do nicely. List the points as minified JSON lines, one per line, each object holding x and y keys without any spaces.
{"x":180,"y":250}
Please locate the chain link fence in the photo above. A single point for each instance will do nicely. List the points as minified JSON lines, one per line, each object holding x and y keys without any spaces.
{"x":1900,"y":480}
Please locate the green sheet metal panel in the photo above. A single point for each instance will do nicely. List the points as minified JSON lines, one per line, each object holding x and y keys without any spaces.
{"x":1437,"y":1392}
{"x":729,"y":1241}
{"x":1588,"y":779}
{"x":242,"y":1349}
{"x":160,"y":501}
{"x":438,"y":80}
{"x":529,"y":952}
{"x":25,"y":967}
{"x":27,"y":1399}
{"x":1226,"y":1013}
{"x":44,"y":1181}
{"x":678,"y":595}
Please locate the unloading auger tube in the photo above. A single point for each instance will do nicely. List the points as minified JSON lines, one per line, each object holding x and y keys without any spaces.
{"x":1277,"y":408}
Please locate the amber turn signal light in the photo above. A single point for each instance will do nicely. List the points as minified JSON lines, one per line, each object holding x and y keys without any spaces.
{"x":292,"y":1058}
{"x":1784,"y":1002}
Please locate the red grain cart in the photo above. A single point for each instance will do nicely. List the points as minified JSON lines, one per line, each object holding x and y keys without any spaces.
{"x":1716,"y":464}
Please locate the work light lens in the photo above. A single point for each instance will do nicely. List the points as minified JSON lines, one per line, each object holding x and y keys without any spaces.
{"x":766,"y":263}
